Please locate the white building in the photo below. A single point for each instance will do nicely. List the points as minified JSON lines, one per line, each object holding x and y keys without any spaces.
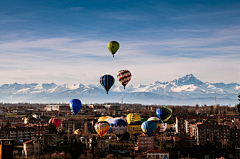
{"x":157,"y":153}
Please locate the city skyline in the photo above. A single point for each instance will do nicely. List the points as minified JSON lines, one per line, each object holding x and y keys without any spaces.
{"x":66,"y":42}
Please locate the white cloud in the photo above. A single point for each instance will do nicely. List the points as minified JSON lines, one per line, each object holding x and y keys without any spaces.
{"x":71,"y":60}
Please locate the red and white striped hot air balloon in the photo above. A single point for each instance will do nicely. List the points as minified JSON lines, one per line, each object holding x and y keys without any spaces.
{"x":124,"y":76}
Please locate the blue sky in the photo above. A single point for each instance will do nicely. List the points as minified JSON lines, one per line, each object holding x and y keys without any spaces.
{"x":66,"y":41}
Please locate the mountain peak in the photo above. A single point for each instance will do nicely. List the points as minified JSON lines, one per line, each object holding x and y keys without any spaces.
{"x":188,"y":79}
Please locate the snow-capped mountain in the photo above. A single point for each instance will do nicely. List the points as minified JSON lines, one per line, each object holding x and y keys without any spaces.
{"x":187,"y":90}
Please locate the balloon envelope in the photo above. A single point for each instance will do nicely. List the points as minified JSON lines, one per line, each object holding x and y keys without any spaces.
{"x":107,"y":82}
{"x":149,"y":127}
{"x":55,"y":121}
{"x":119,"y":126}
{"x":143,"y":120}
{"x":113,"y":47}
{"x":75,"y":105}
{"x":133,"y":117}
{"x":109,"y":120}
{"x":102,"y":128}
{"x":135,"y":127}
{"x":164,"y":113}
{"x":124,"y":76}
{"x":102,"y":118}
{"x":78,"y":131}
{"x":153,"y":119}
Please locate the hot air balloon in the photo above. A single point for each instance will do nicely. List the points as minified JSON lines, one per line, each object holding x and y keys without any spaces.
{"x":124,"y":76}
{"x":55,"y":121}
{"x":133,"y":117}
{"x":161,"y":127}
{"x":113,"y":47}
{"x":143,"y":120}
{"x":149,"y":127}
{"x":102,"y":118}
{"x":153,"y":119}
{"x":119,"y":126}
{"x":102,"y":128}
{"x":109,"y":120}
{"x":164,"y":113}
{"x":78,"y":131}
{"x":135,"y":127}
{"x":107,"y":82}
{"x":75,"y":105}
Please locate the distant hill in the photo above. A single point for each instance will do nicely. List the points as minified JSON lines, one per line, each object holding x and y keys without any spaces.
{"x":187,"y":90}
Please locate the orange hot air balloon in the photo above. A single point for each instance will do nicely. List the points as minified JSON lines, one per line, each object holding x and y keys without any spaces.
{"x":102,"y":128}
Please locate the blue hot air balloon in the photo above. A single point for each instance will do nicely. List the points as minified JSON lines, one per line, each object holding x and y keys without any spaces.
{"x":119,"y":127}
{"x":149,"y":127}
{"x":107,"y":82}
{"x":164,"y":113}
{"x":75,"y":105}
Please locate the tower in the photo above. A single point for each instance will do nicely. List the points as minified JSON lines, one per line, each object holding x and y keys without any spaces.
{"x":215,"y":102}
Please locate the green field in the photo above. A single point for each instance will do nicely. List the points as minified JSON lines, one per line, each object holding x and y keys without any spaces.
{"x":14,"y":115}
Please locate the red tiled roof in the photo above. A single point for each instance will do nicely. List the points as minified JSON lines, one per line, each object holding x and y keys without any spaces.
{"x":28,"y":142}
{"x":157,"y":151}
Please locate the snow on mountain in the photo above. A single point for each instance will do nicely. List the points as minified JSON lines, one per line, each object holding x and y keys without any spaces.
{"x":181,"y":90}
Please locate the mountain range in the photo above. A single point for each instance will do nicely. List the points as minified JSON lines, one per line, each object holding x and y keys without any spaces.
{"x":187,"y":90}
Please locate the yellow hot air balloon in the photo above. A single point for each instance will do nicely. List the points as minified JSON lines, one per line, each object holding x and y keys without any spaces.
{"x":133,"y":117}
{"x":78,"y":131}
{"x":113,"y":47}
{"x":135,"y":127}
{"x":102,"y":128}
{"x":102,"y":118}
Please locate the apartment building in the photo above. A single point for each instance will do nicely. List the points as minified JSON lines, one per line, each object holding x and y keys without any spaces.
{"x":206,"y":132}
{"x":145,"y":142}
{"x":3,"y":121}
{"x":157,"y":153}
{"x":18,"y":134}
{"x":31,"y":147}
{"x":113,"y":107}
{"x":56,"y":109}
{"x":182,"y":126}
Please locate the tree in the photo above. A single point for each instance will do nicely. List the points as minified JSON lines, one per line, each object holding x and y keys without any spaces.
{"x":230,"y":148}
{"x":110,"y":156}
{"x":162,"y":144}
{"x":52,"y":127}
{"x":54,"y":156}
{"x":68,"y":156}
{"x":7,"y":125}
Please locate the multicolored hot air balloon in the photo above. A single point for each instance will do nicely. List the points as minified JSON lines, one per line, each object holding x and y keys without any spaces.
{"x":107,"y":82}
{"x":161,"y":127}
{"x":55,"y":121}
{"x":102,"y":128}
{"x":133,"y":117}
{"x":119,"y":126}
{"x":124,"y":76}
{"x":153,"y":119}
{"x":164,"y":113}
{"x":75,"y":105}
{"x":149,"y":127}
{"x":102,"y":118}
{"x":113,"y":47}
{"x":135,"y":127}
